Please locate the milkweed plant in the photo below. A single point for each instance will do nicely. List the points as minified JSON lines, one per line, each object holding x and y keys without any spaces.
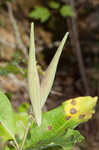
{"x":40,"y":130}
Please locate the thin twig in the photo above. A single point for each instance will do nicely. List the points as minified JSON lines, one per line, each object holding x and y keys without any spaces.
{"x":20,"y":44}
{"x":72,"y":23}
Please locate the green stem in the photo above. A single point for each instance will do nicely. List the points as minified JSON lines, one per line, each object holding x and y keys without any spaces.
{"x":16,"y":144}
{"x":25,"y":134}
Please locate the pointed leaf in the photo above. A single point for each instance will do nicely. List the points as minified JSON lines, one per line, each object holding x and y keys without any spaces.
{"x":33,"y":80}
{"x":49,"y":75}
{"x":6,"y":116}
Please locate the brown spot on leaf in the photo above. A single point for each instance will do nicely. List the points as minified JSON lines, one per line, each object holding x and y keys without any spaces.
{"x":49,"y":127}
{"x":73,"y":102}
{"x":73,"y":111}
{"x":81,"y":116}
{"x":68,"y":117}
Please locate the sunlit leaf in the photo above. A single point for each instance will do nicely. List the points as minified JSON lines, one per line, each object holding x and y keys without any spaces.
{"x":5,"y":136}
{"x":58,"y":125}
{"x":6,"y":116}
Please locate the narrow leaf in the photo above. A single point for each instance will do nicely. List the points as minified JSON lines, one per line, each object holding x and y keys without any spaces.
{"x":47,"y":81}
{"x":6,"y":116}
{"x":33,"y":80}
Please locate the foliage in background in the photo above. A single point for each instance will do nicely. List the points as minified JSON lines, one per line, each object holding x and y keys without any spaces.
{"x":41,"y":13}
{"x":44,"y":13}
{"x":13,"y":66}
{"x":54,"y":4}
{"x":66,"y":10}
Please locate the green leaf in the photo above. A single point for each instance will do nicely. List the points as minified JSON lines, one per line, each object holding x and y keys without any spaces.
{"x":66,"y":10}
{"x":4,"y":134}
{"x":7,"y":116}
{"x":10,"y":68}
{"x":59,"y":130}
{"x":7,"y":148}
{"x":68,"y":140}
{"x":54,"y":5}
{"x":24,"y":107}
{"x":47,"y":81}
{"x":33,"y":80}
{"x":41,"y":13}
{"x":21,"y":122}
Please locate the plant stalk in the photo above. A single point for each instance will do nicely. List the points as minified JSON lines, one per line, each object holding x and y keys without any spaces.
{"x":16,"y":144}
{"x":26,"y":133}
